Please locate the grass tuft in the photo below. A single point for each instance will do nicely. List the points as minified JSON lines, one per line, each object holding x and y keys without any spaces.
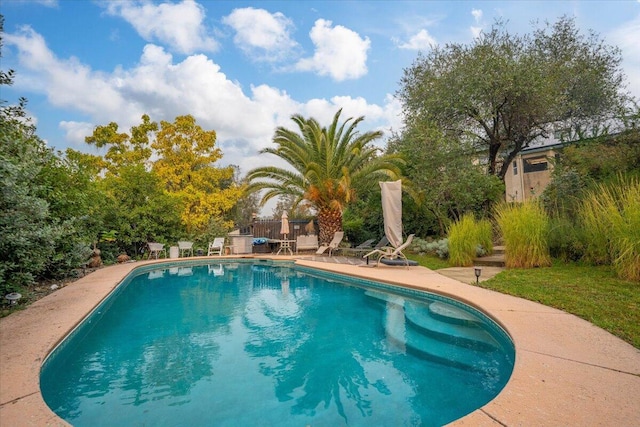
{"x":610,"y":216}
{"x":467,"y":237}
{"x":525,"y":229}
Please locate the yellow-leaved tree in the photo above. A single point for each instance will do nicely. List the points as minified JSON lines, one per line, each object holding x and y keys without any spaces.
{"x":125,"y":150}
{"x":187,"y":154}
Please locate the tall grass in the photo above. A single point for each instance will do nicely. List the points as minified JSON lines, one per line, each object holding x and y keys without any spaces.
{"x":466,"y":237}
{"x":525,"y":229}
{"x":565,"y":239}
{"x":610,"y":215}
{"x":485,"y":235}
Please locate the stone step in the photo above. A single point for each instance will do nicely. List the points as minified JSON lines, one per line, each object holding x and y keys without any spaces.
{"x":498,"y":250}
{"x":490,"y":261}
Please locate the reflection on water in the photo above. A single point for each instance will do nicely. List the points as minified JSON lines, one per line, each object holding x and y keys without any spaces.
{"x":246,"y":344}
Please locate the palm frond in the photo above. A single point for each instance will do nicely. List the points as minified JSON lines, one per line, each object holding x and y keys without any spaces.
{"x":327,"y":164}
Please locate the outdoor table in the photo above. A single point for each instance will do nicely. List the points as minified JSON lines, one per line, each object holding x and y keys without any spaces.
{"x":285,"y":245}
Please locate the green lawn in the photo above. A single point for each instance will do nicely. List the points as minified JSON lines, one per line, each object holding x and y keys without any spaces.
{"x":430,"y":261}
{"x":592,"y":293}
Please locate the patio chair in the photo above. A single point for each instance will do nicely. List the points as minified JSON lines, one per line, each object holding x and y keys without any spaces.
{"x":217,"y":246}
{"x":337,"y":239}
{"x":389,"y":253}
{"x":362,"y":247}
{"x":185,"y":247}
{"x":381,"y":244}
{"x":155,"y":249}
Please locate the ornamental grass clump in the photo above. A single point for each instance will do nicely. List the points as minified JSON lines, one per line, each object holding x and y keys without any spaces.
{"x":610,"y":216}
{"x":484,"y":232}
{"x":524,"y":229}
{"x":467,"y":239}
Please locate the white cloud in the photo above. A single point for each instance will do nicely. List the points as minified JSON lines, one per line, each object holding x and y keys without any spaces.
{"x":67,"y":83}
{"x":261,"y":35}
{"x":165,"y":89}
{"x":419,"y":41}
{"x":339,"y":52}
{"x":179,"y":25}
{"x":477,"y":17}
{"x":76,"y":132}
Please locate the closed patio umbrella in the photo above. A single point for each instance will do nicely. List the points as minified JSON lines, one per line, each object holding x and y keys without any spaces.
{"x":392,"y":211}
{"x":284,"y":227}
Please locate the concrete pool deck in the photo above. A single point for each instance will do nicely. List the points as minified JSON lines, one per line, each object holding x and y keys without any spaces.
{"x":568,"y":372}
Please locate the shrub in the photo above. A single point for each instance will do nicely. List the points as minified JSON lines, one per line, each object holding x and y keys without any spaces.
{"x":28,"y":233}
{"x":525,"y":230}
{"x":610,"y":216}
{"x":565,"y":239}
{"x":434,"y":247}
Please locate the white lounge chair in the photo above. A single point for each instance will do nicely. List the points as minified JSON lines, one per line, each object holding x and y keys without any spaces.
{"x":217,"y":246}
{"x":391,"y":253}
{"x":186,"y":247}
{"x":337,"y":239}
{"x":307,"y":243}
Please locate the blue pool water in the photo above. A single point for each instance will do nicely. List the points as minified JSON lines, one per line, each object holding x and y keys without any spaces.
{"x":245,"y":344}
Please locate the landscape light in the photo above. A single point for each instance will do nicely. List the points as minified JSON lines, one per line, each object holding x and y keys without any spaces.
{"x":477,"y":271}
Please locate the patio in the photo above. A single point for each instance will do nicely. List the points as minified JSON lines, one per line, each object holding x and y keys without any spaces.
{"x":567,"y":371}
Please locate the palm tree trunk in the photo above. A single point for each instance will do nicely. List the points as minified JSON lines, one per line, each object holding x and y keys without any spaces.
{"x":329,"y":221}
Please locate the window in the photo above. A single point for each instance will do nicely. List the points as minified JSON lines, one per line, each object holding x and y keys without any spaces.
{"x":535,"y":164}
{"x":515,"y":167}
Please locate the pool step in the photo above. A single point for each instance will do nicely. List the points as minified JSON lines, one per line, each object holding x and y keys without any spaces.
{"x":459,"y":327}
{"x":385,"y":297}
{"x":430,"y":348}
{"x":451,"y":336}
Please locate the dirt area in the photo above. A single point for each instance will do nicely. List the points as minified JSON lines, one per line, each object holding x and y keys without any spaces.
{"x":38,"y":290}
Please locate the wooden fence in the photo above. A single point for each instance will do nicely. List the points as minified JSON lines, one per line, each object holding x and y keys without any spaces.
{"x":270,"y":229}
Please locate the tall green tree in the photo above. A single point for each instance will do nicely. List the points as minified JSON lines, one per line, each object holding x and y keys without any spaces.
{"x":447,"y":184}
{"x":140,"y":210}
{"x":503,"y":91}
{"x":326,"y":167}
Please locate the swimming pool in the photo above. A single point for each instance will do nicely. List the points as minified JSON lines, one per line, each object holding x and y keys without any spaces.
{"x":243,"y":343}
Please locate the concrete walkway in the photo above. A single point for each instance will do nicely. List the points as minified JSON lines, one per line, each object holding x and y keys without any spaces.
{"x":567,"y":371}
{"x":467,"y":274}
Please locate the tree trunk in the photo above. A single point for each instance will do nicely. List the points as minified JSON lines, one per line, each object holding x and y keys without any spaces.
{"x":329,"y":221}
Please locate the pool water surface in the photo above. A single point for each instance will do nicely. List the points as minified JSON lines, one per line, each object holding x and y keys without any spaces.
{"x":244,"y":343}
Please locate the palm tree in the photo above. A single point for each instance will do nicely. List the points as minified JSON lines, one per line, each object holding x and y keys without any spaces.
{"x":328,"y":165}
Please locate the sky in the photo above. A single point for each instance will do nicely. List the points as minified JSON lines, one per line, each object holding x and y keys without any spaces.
{"x":242,"y":68}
